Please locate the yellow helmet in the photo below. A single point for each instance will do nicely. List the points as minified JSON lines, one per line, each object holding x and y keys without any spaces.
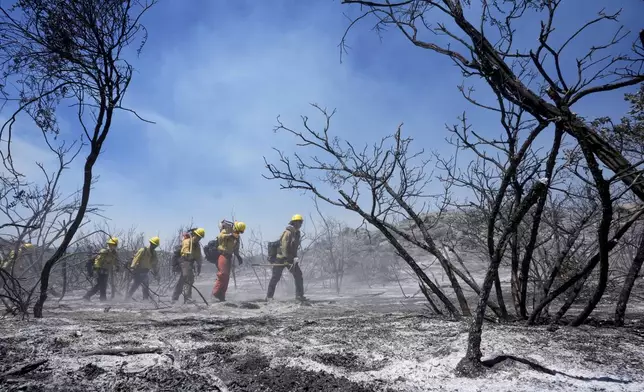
{"x":28,"y":245}
{"x":200,"y":232}
{"x":156,"y":241}
{"x":113,"y":241}
{"x":239,"y":227}
{"x":297,"y":217}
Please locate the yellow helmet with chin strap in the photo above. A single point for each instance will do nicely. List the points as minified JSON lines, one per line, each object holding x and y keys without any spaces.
{"x":113,"y":241}
{"x":297,"y":218}
{"x":200,"y":232}
{"x":239,"y":227}
{"x":156,"y":241}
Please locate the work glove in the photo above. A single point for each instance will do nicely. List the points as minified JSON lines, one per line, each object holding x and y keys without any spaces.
{"x":240,"y":260}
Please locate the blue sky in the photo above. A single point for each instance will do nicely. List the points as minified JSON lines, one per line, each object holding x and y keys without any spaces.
{"x":214,"y":76}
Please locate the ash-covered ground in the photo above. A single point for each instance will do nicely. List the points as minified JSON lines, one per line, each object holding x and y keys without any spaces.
{"x":363,"y":340}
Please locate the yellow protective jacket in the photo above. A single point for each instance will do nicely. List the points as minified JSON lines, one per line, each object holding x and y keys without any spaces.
{"x":106,"y":260}
{"x":289,"y":244}
{"x":190,"y":249}
{"x":9,"y":261}
{"x":228,"y":243}
{"x":146,"y":259}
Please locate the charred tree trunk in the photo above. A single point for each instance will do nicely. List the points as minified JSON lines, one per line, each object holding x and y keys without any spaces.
{"x":105,"y":113}
{"x":428,"y":296}
{"x":514,"y":274}
{"x":629,"y":282}
{"x":527,"y":257}
{"x":603,"y":188}
{"x":470,"y":365}
{"x":472,"y":283}
{"x":433,"y":249}
{"x":515,"y":238}
{"x":556,"y":266}
{"x":499,"y":296}
{"x":447,"y":267}
{"x":536,"y":224}
{"x":423,"y":276}
{"x":402,"y":252}
{"x":574,"y":293}
{"x":472,"y":361}
{"x":80,"y":215}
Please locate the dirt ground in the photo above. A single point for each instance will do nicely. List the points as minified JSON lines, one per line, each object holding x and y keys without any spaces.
{"x":366,"y":340}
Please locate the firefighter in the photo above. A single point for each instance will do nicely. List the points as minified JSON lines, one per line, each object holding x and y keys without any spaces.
{"x":144,"y":261}
{"x":190,"y":260}
{"x":23,"y":250}
{"x":104,"y":264}
{"x":287,"y":254}
{"x":228,"y":246}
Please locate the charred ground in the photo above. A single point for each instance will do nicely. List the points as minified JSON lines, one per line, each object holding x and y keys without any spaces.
{"x":357,"y":343}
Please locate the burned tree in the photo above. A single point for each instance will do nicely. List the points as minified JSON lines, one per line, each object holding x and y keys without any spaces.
{"x":628,"y":137}
{"x":38,"y":214}
{"x":335,"y":250}
{"x":69,"y":52}
{"x":510,"y":71}
{"x":532,"y":80}
{"x":384,"y":184}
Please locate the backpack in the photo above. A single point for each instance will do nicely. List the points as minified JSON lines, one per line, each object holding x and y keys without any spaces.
{"x":211,"y":252}
{"x":226,"y":225}
{"x":273,"y":248}
{"x":176,"y":259}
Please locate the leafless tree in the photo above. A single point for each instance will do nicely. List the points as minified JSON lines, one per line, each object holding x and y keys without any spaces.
{"x":491,"y":52}
{"x":336,"y":250}
{"x":628,"y":137}
{"x":633,"y":273}
{"x":255,"y":253}
{"x":482,"y":43}
{"x":55,"y":51}
{"x":388,"y":180}
{"x":39,"y":214}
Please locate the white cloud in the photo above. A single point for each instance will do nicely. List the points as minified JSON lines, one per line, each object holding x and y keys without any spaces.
{"x":225,"y":95}
{"x":215,"y":98}
{"x":215,"y":94}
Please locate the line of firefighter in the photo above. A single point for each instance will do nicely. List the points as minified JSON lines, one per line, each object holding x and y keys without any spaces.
{"x":190,"y":258}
